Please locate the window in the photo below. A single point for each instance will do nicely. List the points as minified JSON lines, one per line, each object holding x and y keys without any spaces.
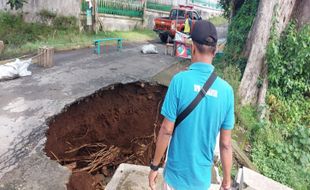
{"x":177,"y":13}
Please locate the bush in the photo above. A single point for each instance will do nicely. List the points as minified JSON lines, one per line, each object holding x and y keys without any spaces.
{"x":284,"y":155}
{"x":63,"y":22}
{"x":14,"y":31}
{"x":46,"y":16}
{"x":289,"y":62}
{"x":281,"y":149}
{"x":280,"y":146}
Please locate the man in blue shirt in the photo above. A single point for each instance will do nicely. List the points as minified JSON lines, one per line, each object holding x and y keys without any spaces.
{"x":190,"y":155}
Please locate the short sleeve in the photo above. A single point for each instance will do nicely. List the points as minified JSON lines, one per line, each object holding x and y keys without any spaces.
{"x":229,"y":120}
{"x":169,"y":108}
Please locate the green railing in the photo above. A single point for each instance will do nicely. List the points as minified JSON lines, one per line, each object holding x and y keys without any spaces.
{"x":158,"y":6}
{"x":132,"y":8}
{"x":208,"y":4}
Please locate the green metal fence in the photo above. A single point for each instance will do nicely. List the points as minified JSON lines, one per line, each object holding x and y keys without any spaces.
{"x":208,"y":4}
{"x":132,"y":8}
{"x":158,"y":6}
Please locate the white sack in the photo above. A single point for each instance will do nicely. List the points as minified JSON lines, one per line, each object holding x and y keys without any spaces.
{"x":15,"y":69}
{"x":149,"y":49}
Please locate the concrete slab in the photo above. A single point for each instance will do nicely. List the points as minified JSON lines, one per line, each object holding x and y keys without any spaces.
{"x":26,"y":104}
{"x":134,"y":177}
{"x":251,"y":180}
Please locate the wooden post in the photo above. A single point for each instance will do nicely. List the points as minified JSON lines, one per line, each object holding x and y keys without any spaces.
{"x":46,"y":57}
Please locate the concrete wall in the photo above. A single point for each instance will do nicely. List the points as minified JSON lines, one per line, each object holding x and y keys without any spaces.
{"x":61,"y":7}
{"x":119,"y":23}
{"x":123,"y":23}
{"x":150,"y":15}
{"x":207,"y":12}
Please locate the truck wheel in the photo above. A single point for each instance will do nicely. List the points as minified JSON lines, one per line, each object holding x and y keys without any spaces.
{"x":163,"y":37}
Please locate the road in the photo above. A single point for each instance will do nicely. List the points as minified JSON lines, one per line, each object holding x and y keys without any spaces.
{"x":26,"y":104}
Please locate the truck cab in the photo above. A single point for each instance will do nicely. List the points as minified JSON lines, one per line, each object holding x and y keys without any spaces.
{"x":167,"y":26}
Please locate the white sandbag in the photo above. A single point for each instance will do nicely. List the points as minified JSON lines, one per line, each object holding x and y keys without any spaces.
{"x":15,"y":69}
{"x":149,"y":49}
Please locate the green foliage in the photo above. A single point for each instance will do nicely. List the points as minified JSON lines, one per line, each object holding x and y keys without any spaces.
{"x":16,"y":4}
{"x":14,"y":31}
{"x":64,"y":22}
{"x":46,"y":16}
{"x":58,"y":22}
{"x":238,"y":33}
{"x":280,"y":146}
{"x":283,"y":154}
{"x":289,"y":62}
{"x":226,"y":5}
{"x":289,"y":111}
{"x":67,"y":39}
{"x":281,"y":149}
{"x":247,"y":118}
{"x":230,"y":73}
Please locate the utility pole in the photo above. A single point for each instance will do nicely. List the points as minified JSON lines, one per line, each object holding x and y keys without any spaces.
{"x":95,"y":16}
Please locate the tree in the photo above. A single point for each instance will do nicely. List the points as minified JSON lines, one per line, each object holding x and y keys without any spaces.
{"x":254,"y":83}
{"x":16,"y":4}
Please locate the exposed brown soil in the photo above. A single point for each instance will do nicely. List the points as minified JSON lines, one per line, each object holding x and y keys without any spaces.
{"x":115,"y":125}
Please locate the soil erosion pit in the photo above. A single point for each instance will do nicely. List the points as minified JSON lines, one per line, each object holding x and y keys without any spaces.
{"x":117,"y":124}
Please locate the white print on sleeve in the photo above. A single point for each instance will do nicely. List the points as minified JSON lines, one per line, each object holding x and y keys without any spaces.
{"x":211,"y":92}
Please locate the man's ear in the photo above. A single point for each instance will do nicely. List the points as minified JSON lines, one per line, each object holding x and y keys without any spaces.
{"x":193,"y":49}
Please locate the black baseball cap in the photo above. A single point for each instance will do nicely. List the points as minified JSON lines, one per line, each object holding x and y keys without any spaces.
{"x":204,"y":33}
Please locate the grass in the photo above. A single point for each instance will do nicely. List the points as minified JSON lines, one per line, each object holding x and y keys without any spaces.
{"x":67,"y":39}
{"x":218,"y":20}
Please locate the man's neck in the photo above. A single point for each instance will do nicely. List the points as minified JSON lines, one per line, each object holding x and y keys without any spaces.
{"x":207,"y":60}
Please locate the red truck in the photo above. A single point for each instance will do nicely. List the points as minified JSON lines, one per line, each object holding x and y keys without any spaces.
{"x":167,"y":26}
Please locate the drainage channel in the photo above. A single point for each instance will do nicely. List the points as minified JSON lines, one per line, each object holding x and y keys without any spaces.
{"x":115,"y":125}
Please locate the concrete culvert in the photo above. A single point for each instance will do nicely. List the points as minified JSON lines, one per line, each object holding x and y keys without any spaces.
{"x":94,"y":135}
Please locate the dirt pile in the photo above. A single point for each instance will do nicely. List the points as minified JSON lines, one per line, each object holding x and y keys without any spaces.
{"x":94,"y":135}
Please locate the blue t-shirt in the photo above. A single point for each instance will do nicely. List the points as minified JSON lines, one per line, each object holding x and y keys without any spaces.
{"x":190,"y":156}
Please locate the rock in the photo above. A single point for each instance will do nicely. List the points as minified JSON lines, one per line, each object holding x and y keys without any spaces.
{"x":1,"y":46}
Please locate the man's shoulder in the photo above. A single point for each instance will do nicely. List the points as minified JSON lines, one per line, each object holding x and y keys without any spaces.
{"x":223,"y":84}
{"x":180,"y":76}
{"x":185,"y":76}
